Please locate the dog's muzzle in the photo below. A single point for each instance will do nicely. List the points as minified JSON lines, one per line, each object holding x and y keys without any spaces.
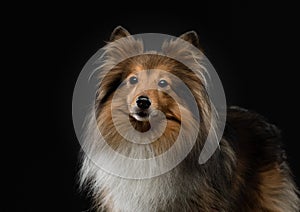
{"x":141,"y":111}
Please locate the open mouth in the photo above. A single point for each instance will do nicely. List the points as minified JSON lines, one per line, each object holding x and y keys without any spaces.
{"x":145,"y":115}
{"x":142,"y":114}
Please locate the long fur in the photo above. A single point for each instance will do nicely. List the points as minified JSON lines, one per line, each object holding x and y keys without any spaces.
{"x":248,"y":172}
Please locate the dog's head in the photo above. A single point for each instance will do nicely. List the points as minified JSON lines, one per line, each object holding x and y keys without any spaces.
{"x":151,"y":92}
{"x":144,"y":84}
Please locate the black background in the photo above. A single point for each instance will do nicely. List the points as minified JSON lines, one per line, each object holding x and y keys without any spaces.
{"x":250,"y":45}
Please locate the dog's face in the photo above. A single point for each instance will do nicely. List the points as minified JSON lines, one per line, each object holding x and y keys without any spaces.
{"x":149,"y":84}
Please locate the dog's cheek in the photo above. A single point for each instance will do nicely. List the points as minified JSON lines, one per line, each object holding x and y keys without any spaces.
{"x":169,"y":105}
{"x":130,"y":100}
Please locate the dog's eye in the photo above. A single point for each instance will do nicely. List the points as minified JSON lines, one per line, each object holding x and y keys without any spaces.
{"x":162,"y":83}
{"x":133,"y":80}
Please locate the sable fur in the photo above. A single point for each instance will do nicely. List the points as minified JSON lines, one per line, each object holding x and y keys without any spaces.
{"x":248,"y":172}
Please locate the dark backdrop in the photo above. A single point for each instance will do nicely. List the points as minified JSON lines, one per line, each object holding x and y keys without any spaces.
{"x":250,"y":45}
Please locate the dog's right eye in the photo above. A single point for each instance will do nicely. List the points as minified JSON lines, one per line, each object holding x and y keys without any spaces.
{"x":133,"y":80}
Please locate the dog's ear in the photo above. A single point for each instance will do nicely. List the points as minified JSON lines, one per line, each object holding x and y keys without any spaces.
{"x":119,"y":32}
{"x":191,"y":37}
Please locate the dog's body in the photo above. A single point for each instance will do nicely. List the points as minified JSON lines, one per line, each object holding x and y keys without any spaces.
{"x":247,"y":172}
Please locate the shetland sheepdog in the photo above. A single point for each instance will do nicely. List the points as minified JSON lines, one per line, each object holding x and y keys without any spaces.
{"x":247,"y":172}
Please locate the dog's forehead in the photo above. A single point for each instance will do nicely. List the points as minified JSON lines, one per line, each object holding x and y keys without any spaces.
{"x":146,"y":62}
{"x":154,"y":73}
{"x":141,"y":69}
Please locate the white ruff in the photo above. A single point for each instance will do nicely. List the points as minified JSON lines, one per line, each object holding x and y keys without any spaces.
{"x":135,"y":195}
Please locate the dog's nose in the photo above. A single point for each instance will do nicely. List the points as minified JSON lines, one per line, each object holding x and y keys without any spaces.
{"x":143,"y":102}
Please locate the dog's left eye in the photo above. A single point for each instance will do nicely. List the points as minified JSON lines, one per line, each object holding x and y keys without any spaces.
{"x":162,"y":83}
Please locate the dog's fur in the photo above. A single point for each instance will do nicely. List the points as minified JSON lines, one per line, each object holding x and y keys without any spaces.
{"x":248,"y":172}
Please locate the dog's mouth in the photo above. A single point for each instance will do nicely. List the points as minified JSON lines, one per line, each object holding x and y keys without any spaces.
{"x":141,"y":115}
{"x":145,"y":115}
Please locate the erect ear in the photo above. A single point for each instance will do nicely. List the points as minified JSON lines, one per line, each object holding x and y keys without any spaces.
{"x":191,"y":37}
{"x":119,"y":32}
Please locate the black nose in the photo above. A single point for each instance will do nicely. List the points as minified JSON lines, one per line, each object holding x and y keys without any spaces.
{"x":143,"y":102}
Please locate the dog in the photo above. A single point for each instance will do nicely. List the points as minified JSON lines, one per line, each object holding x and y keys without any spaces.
{"x":247,"y":172}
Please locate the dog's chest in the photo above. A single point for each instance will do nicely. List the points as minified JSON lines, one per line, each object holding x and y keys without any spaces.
{"x":140,"y":195}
